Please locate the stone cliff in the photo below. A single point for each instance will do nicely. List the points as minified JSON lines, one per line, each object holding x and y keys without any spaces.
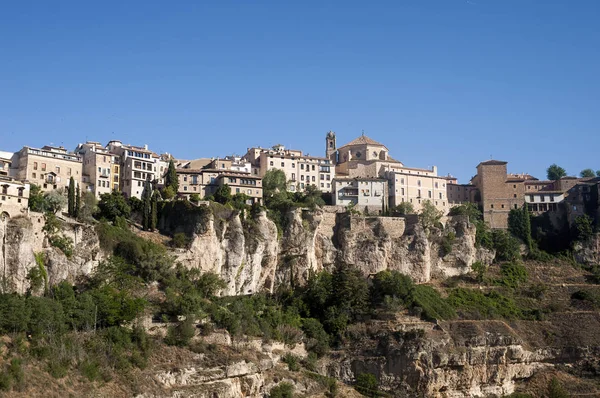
{"x":249,"y":256}
{"x":22,"y":238}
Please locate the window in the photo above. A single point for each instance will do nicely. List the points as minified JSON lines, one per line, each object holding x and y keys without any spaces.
{"x":237,"y":190}
{"x":282,"y":164}
{"x":313,"y":178}
{"x":492,"y":206}
{"x":436,"y":184}
{"x":402,"y":191}
{"x":502,"y":206}
{"x":32,"y":175}
{"x":323,"y":177}
{"x":542,"y":198}
{"x":35,"y":165}
{"x":185,"y":187}
{"x":313,"y":167}
{"x":302,"y":166}
{"x":402,"y":181}
{"x":531,"y":198}
{"x":222,"y":165}
{"x":441,"y":195}
{"x":515,"y":205}
{"x":43,"y":166}
{"x":419,"y":183}
{"x":184,"y":178}
{"x":514,"y":195}
{"x":271,"y":163}
{"x":302,"y":178}
{"x":293,"y":164}
{"x":429,"y":194}
{"x":293,"y":176}
{"x":418,"y":193}
{"x":514,"y":186}
{"x":322,"y":185}
{"x":4,"y":189}
{"x":551,"y":198}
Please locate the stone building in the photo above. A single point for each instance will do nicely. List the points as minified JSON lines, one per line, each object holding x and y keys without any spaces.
{"x":14,"y":197}
{"x":364,"y":193}
{"x":137,"y":164}
{"x":367,"y":158}
{"x":301,"y":170}
{"x":49,"y":167}
{"x":101,"y":168}
{"x":201,"y":177}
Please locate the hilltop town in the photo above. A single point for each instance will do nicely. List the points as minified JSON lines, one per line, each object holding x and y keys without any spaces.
{"x":360,"y":174}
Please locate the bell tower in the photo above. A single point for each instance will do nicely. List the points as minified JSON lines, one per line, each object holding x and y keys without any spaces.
{"x":330,"y":147}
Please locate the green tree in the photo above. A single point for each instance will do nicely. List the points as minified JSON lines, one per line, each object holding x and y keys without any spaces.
{"x":77,"y":209}
{"x":71,"y":198}
{"x":274,"y":181}
{"x":113,"y":205}
{"x":404,"y":208}
{"x":430,"y":215}
{"x":54,"y":201}
{"x":584,"y":229}
{"x":282,"y":390}
{"x":36,"y":198}
{"x":367,"y":385}
{"x":556,"y":390}
{"x":555,"y":172}
{"x":88,"y":207}
{"x":154,"y":210}
{"x":507,"y":247}
{"x":519,"y":224}
{"x":585,"y":173}
{"x":171,"y":180}
{"x":223,"y":194}
{"x":147,"y":205}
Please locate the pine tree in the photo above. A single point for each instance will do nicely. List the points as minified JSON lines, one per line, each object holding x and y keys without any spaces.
{"x":171,"y":180}
{"x":77,"y":202}
{"x":147,"y":205}
{"x":71,"y":198}
{"x":154,"y":211}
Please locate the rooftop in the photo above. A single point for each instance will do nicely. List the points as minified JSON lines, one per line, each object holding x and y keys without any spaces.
{"x":363,"y":140}
{"x":493,"y":162}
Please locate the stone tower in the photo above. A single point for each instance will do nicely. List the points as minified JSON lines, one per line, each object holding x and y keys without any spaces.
{"x":330,"y":147}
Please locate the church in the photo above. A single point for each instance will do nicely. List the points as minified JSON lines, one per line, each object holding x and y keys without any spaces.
{"x":364,"y":160}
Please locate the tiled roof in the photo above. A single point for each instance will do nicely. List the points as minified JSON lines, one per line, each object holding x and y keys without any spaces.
{"x":493,"y":162}
{"x":363,"y":140}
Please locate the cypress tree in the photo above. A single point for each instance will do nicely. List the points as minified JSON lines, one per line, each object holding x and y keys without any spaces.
{"x":77,"y":202}
{"x":146,"y":205}
{"x":71,"y":198}
{"x":154,"y":211}
{"x":171,"y":180}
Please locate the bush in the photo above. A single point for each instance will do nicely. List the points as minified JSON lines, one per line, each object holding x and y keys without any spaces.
{"x":283,"y":390}
{"x":479,"y":269}
{"x":180,"y":240}
{"x":367,"y":385}
{"x":513,"y":274}
{"x":64,"y":243}
{"x":292,"y":362}
{"x":5,"y":381}
{"x":181,"y":334}
{"x":391,"y":284}
{"x":447,"y":242}
{"x":317,"y":338}
{"x":556,"y":390}
{"x":506,"y":245}
{"x":15,"y":369}
{"x":475,"y":304}
{"x":113,"y":205}
{"x":433,"y":306}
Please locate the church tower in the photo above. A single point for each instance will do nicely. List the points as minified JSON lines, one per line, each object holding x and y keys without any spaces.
{"x":330,"y":147}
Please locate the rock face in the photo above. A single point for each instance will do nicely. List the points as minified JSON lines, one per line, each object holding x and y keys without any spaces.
{"x":454,"y":359}
{"x":250,"y":257}
{"x":22,"y":238}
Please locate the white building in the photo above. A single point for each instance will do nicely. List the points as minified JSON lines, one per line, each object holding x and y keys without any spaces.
{"x":363,"y":193}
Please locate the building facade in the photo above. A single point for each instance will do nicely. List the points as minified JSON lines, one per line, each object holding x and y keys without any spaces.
{"x":49,"y":167}
{"x":301,"y":170}
{"x":101,"y":169}
{"x":14,"y":197}
{"x":367,"y":158}
{"x":365,"y":194}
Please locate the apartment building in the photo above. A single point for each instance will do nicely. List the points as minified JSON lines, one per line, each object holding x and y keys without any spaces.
{"x":301,"y":170}
{"x":137,"y":164}
{"x":239,"y":183}
{"x":364,"y":193}
{"x":14,"y":197}
{"x":367,"y":158}
{"x":49,"y":167}
{"x":101,"y":169}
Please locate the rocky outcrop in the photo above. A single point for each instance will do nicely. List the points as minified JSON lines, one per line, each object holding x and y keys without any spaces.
{"x":453,"y":359}
{"x":249,"y":256}
{"x":22,"y":238}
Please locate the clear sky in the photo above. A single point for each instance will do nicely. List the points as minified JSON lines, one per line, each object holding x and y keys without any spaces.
{"x":440,"y":82}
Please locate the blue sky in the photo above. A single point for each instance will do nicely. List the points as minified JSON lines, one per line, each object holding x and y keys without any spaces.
{"x":444,"y":82}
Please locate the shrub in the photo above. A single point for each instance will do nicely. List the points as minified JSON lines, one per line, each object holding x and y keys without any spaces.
{"x":513,"y":274}
{"x":367,"y":385}
{"x":447,"y":242}
{"x":433,"y":306}
{"x":391,"y":284}
{"x":479,"y":269}
{"x":556,"y":390}
{"x":317,"y":339}
{"x":506,"y":245}
{"x":90,"y":369}
{"x":64,"y":243}
{"x":283,"y":390}
{"x":180,"y":240}
{"x":475,"y":304}
{"x":181,"y":334}
{"x":292,"y":362}
{"x":5,"y":381}
{"x":113,"y":205}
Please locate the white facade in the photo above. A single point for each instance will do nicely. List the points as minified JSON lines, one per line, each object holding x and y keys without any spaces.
{"x":362,"y":193}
